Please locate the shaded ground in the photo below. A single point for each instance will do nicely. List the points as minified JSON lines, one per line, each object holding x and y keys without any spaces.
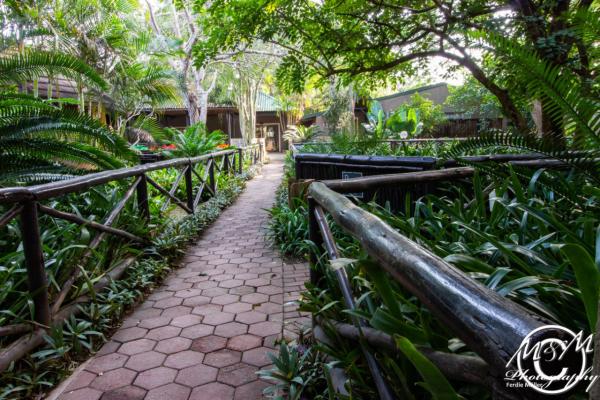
{"x":208,"y":329}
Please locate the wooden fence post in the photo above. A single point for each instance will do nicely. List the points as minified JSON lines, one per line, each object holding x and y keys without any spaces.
{"x":34,"y":262}
{"x":314,"y":235}
{"x":226,"y":165}
{"x":211,"y":177}
{"x":142,"y":197}
{"x":189,"y":187}
{"x":240,"y":160}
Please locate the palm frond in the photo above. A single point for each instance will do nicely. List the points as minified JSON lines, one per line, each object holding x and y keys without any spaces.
{"x":35,"y":63}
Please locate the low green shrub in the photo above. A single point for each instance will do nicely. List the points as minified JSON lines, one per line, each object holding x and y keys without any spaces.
{"x":67,"y":346}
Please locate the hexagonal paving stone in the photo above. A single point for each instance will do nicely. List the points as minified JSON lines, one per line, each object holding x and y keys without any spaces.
{"x":197,"y":331}
{"x":252,"y":390}
{"x":143,"y":361}
{"x":148,"y":313}
{"x":258,"y":282}
{"x":196,"y":375}
{"x":82,"y":379}
{"x":217,"y":318}
{"x":106,"y":363}
{"x":176,"y":311}
{"x":125,"y":393}
{"x":214,"y":292}
{"x":237,"y":374}
{"x":168,"y":302}
{"x":155,"y":377}
{"x":214,"y":391}
{"x":206,"y":285}
{"x":218,"y":261}
{"x":209,"y":343}
{"x":225,"y":299}
{"x":154,"y":322}
{"x":265,"y":328}
{"x":222,"y":358}
{"x":186,"y":320}
{"x":113,"y":379}
{"x":196,"y":301}
{"x":258,"y":357}
{"x":185,"y":293}
{"x":251,"y":317}
{"x":82,"y":394}
{"x":206,"y":309}
{"x":231,"y":283}
{"x":231,"y":329}
{"x":246,"y":276}
{"x":255,"y":298}
{"x":268,"y":308}
{"x":171,"y":391}
{"x":244,"y":342}
{"x":239,"y":260}
{"x":184,"y":359}
{"x":129,"y":334}
{"x":173,"y":345}
{"x":137,"y":346}
{"x":236,"y":308}
{"x":164,"y":332}
{"x":269,"y":289}
{"x":222,"y":277}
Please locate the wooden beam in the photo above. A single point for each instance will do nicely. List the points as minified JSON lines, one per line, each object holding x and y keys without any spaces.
{"x":407,"y":178}
{"x":92,"y":224}
{"x":488,"y":323}
{"x":166,"y":193}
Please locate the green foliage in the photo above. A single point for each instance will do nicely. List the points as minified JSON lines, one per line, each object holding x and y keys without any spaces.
{"x":40,"y":142}
{"x":288,"y":227}
{"x":300,"y":133}
{"x":473,"y":100}
{"x":195,"y":140}
{"x":64,"y":243}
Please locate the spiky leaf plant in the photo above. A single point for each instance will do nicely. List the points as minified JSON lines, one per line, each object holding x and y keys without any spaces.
{"x":39,"y":141}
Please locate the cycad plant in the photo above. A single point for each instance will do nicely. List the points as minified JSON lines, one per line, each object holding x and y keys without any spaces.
{"x":195,"y":140}
{"x":39,"y":141}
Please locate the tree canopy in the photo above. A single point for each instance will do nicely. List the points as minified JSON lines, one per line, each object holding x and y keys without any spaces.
{"x":377,"y":40}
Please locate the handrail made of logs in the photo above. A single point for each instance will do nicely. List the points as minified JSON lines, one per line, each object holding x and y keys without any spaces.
{"x":489,"y":324}
{"x":26,"y":206}
{"x":48,"y":190}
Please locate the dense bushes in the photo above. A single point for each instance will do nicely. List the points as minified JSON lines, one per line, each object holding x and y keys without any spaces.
{"x":531,"y":236}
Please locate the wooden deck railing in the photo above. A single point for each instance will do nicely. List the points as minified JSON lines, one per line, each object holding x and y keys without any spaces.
{"x":490,"y":325}
{"x":25,"y":203}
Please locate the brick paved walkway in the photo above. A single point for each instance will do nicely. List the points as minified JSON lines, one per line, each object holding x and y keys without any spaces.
{"x":208,"y":329}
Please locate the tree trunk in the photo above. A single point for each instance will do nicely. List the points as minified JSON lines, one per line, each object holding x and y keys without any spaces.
{"x":548,"y":127}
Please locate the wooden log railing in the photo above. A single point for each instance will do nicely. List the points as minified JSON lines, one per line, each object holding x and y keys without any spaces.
{"x":490,"y":325}
{"x":26,"y":203}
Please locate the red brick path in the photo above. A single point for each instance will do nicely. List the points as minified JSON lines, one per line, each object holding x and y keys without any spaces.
{"x":208,"y":329}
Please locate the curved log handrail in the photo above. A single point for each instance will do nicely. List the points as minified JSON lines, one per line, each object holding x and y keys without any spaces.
{"x":489,"y":324}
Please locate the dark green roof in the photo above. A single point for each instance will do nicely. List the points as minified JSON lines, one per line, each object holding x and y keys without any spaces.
{"x":264,"y":102}
{"x":411,"y":91}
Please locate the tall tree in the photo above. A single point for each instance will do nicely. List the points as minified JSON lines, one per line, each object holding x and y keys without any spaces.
{"x":175,"y":26}
{"x":378,"y":40}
